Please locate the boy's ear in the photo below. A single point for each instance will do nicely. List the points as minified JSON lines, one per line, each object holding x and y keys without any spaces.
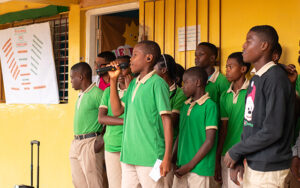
{"x":264,"y":45}
{"x":198,"y":83}
{"x":212,"y":58}
{"x":80,"y":77}
{"x":149,"y":58}
{"x":244,"y":69}
{"x":164,"y":70}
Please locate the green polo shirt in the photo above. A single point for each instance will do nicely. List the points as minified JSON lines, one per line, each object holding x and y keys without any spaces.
{"x":143,"y":133}
{"x":216,"y":85}
{"x":195,"y":118}
{"x":177,"y":99}
{"x":86,"y":111}
{"x":113,"y":134}
{"x":232,"y":108}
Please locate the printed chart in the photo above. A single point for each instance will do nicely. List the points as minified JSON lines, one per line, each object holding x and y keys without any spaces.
{"x":28,"y":67}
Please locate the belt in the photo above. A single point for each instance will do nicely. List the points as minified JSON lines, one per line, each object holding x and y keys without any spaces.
{"x":84,"y":136}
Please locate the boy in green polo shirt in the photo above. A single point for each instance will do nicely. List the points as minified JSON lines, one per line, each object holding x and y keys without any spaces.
{"x":198,"y":125}
{"x":147,"y":133}
{"x":86,"y":153}
{"x":114,"y":128}
{"x":232,"y":107}
{"x":166,"y":68}
{"x":205,"y":57}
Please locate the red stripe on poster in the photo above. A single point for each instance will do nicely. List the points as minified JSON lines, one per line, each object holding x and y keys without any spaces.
{"x":8,"y":52}
{"x":11,"y":63}
{"x":17,"y":74}
{"x":26,"y":74}
{"x":13,"y":68}
{"x":6,"y":43}
{"x":14,"y":88}
{"x":16,"y":69}
{"x":10,"y":56}
{"x":22,"y":51}
{"x":7,"y":47}
{"x":39,"y":87}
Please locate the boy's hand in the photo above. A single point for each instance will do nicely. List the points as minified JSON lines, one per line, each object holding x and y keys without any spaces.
{"x":98,"y":145}
{"x":292,"y":73}
{"x":183,"y":170}
{"x":295,"y":167}
{"x":229,"y":162}
{"x":234,"y":172}
{"x":218,"y":172}
{"x":165,"y":167}
{"x":114,"y":74}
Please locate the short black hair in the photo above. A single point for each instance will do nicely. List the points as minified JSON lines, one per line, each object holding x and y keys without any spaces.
{"x":212,"y":47}
{"x":278,"y":50}
{"x":238,"y":56}
{"x":127,"y":57}
{"x":267,"y":33}
{"x":197,"y":73}
{"x":84,"y":69}
{"x":179,"y":74}
{"x":108,"y":56}
{"x":151,"y":47}
{"x":165,"y":60}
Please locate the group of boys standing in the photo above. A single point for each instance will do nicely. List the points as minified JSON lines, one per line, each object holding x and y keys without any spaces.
{"x":235,"y":132}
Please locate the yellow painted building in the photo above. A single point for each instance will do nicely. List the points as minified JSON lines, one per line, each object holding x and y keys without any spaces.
{"x":222,"y":22}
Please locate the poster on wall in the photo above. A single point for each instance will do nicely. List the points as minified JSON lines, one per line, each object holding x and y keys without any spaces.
{"x":28,"y":67}
{"x":190,"y":38}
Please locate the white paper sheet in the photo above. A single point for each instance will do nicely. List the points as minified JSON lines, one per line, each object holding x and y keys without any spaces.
{"x":28,"y":67}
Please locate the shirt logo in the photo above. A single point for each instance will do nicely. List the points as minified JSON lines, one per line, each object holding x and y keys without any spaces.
{"x":250,"y":104}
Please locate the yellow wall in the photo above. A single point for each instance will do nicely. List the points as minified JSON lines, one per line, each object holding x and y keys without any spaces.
{"x":51,"y":124}
{"x":237,"y":17}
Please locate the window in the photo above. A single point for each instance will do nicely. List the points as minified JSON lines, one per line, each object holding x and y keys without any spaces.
{"x":59,"y":26}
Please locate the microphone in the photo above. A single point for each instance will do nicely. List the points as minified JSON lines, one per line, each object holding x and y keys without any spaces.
{"x":123,"y":65}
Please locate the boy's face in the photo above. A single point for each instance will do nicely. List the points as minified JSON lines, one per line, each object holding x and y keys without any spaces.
{"x":100,"y":63}
{"x":203,"y":57}
{"x":252,"y":47}
{"x":76,"y":79}
{"x":138,"y":59}
{"x":189,"y":85}
{"x":233,"y":70}
{"x":124,"y":72}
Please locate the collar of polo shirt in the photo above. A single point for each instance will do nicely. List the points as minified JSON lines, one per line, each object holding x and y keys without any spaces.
{"x":80,"y":95}
{"x":235,"y":95}
{"x":172,"y":87}
{"x":143,"y":81}
{"x":214,"y":76}
{"x":146,"y":77}
{"x":263,"y":69}
{"x":200,"y":101}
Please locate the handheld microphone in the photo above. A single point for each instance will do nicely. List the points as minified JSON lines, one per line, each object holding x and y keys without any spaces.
{"x":123,"y":65}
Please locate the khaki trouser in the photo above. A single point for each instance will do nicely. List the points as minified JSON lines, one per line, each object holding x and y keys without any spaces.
{"x":113,"y":168}
{"x":257,"y":179}
{"x":168,"y":180}
{"x":191,"y":180}
{"x":291,"y":181}
{"x":227,"y":182}
{"x":134,"y":176}
{"x":87,"y":167}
